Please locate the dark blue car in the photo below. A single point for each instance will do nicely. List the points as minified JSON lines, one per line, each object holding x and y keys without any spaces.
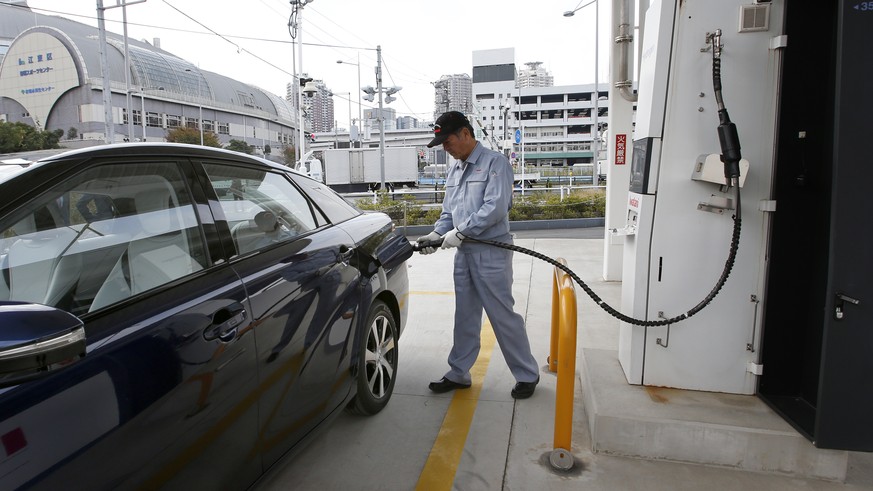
{"x":175,"y":316}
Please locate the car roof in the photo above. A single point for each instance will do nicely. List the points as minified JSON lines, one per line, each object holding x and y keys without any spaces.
{"x":12,"y":165}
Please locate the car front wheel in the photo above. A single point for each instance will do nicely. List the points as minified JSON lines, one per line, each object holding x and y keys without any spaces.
{"x":377,"y":362}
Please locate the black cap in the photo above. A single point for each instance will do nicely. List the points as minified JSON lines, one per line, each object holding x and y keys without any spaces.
{"x":447,"y":124}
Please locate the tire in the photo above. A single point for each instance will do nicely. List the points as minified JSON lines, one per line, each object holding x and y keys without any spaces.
{"x":377,"y":362}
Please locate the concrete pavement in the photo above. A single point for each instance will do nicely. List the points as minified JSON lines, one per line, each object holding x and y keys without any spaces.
{"x":507,"y":442}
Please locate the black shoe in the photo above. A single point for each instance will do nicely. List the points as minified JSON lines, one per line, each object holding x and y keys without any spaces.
{"x":523,"y":390}
{"x":445,"y":385}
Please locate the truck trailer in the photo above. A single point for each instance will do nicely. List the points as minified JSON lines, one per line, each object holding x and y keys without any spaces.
{"x":348,"y":170}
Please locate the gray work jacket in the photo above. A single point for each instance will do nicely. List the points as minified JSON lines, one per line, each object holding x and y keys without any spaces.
{"x":478,"y":198}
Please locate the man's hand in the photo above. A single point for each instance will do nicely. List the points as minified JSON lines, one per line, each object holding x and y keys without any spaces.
{"x":452,"y":238}
{"x":428,"y":238}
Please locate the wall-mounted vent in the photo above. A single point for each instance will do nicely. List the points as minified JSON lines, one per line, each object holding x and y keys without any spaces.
{"x":754,"y":18}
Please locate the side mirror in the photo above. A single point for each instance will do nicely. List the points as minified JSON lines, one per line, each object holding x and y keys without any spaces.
{"x":37,"y":340}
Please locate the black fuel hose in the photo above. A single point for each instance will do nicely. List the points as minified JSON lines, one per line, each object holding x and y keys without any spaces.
{"x":729,"y":263}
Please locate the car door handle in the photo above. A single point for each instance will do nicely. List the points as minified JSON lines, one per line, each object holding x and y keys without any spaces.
{"x":225,"y":322}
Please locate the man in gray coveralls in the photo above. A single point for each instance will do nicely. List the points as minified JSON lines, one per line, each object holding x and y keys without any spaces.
{"x":476,"y":204}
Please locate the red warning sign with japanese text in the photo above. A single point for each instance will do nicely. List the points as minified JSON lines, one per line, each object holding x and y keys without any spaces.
{"x":620,"y":149}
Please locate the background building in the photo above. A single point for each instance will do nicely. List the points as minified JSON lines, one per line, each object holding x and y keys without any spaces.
{"x":318,"y":109}
{"x":388,"y":115}
{"x":556,"y":122}
{"x":407,"y":123}
{"x":535,"y":76}
{"x":453,"y":93}
{"x":51,"y":78}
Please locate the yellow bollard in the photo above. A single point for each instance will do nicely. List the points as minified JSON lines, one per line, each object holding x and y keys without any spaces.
{"x":556,"y":317}
{"x":563,"y":360}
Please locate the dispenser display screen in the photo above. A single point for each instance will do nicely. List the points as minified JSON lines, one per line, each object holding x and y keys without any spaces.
{"x":641,"y":163}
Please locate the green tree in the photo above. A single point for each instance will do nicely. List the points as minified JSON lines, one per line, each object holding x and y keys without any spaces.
{"x":20,"y":137}
{"x":192,"y":136}
{"x":72,"y":133}
{"x":289,"y":155}
{"x":240,"y":146}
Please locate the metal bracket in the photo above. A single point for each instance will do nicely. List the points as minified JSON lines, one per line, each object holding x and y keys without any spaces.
{"x":717,"y":204}
{"x":666,"y":342}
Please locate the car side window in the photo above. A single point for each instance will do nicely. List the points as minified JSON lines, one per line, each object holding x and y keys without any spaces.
{"x":262,"y":207}
{"x":337,"y":208}
{"x":110,"y":232}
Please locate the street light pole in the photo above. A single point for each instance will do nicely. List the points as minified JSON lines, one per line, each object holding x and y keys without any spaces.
{"x":200,"y":106}
{"x":596,"y":84}
{"x":199,"y":103}
{"x":595,"y":143}
{"x":360,"y":113}
{"x":142,"y":118}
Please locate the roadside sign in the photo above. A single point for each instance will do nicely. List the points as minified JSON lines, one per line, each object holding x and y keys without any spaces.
{"x":517,"y":136}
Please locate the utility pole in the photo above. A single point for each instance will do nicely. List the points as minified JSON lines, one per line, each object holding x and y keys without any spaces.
{"x":109,"y":127}
{"x":297,"y":34}
{"x":381,"y":117}
{"x":370,"y":91}
{"x":109,"y":124}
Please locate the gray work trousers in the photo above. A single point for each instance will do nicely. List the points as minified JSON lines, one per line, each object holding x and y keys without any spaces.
{"x":483,"y":278}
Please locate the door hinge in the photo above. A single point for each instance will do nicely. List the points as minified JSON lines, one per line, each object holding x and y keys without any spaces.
{"x":755,"y":368}
{"x":767,"y":205}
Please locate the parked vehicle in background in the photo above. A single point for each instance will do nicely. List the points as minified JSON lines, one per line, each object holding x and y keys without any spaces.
{"x":182,"y":316}
{"x":348,"y":170}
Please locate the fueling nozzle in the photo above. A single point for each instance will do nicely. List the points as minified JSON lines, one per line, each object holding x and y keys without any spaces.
{"x":727,"y":130}
{"x":418,"y":246}
{"x":730,"y":146}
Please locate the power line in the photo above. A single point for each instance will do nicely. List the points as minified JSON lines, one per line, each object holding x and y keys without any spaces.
{"x":188,"y":31}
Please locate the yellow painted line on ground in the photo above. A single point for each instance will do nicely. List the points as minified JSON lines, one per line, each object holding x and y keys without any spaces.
{"x":442,"y":463}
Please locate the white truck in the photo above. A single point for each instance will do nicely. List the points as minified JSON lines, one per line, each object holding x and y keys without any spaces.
{"x":349,"y":170}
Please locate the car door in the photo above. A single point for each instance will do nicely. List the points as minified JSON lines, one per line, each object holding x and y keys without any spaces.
{"x":164,"y":396}
{"x":305,"y":294}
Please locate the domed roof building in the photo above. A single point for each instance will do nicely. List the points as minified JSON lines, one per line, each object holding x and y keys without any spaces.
{"x":51,"y":78}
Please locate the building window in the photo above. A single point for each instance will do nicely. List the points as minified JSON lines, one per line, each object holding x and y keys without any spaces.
{"x":208,"y":125}
{"x":174,"y":121}
{"x":153,"y":120}
{"x":246,"y":99}
{"x":191,"y":123}
{"x":137,"y":117}
{"x":223,"y":128}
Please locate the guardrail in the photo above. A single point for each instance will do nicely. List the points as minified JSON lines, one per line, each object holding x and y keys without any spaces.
{"x":562,"y":359}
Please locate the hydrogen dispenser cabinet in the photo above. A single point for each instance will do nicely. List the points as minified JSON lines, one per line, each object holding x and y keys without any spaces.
{"x":724,"y":290}
{"x":680,"y":228}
